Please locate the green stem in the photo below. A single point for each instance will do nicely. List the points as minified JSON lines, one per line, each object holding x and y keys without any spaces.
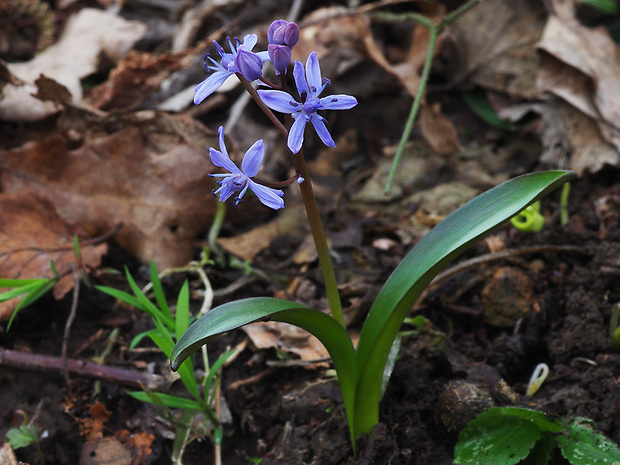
{"x":414,"y":109}
{"x":312,"y":212}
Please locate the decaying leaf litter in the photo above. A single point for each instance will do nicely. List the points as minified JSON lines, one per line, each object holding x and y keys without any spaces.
{"x":101,"y":134}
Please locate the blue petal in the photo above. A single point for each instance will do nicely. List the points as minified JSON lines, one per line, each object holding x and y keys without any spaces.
{"x":253,"y":159}
{"x":269,"y":197}
{"x":210,"y":85}
{"x":249,"y":41}
{"x":221,"y":160}
{"x":296,"y":134}
{"x":322,"y":131}
{"x":338,"y":102}
{"x":264,"y":55}
{"x":300,"y":79}
{"x":279,"y":100}
{"x":313,"y":73}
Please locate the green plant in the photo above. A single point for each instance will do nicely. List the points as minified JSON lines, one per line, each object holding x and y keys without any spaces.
{"x":168,"y":328}
{"x":529,"y":219}
{"x":509,"y":435}
{"x":360,"y":372}
{"x":24,"y":435}
{"x":614,"y":327}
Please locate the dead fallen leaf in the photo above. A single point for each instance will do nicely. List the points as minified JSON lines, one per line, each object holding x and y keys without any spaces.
{"x":31,"y":236}
{"x":494,"y":46}
{"x":89,"y":34}
{"x":438,"y":131}
{"x":104,"y":451}
{"x":92,"y":426}
{"x":7,"y":456}
{"x":145,"y":175}
{"x":581,"y":65}
{"x":287,"y":338}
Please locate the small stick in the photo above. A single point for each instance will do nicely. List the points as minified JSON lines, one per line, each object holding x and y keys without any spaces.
{"x":48,"y":363}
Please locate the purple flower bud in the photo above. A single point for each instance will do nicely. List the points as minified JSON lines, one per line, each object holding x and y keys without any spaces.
{"x":283,"y":33}
{"x":249,"y":64}
{"x":280,"y":56}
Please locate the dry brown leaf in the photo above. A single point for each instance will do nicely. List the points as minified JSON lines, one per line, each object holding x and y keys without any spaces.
{"x":31,"y":235}
{"x":287,"y":338}
{"x":438,"y":131}
{"x":581,"y":65}
{"x":148,"y":175}
{"x":494,"y":46}
{"x":89,"y":34}
{"x":290,"y":222}
{"x":104,"y":451}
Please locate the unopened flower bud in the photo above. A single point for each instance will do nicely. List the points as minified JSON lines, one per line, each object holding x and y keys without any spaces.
{"x":280,"y":56}
{"x":249,"y":64}
{"x":283,"y":33}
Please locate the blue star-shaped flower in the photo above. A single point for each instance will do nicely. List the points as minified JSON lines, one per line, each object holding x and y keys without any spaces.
{"x":240,"y":60}
{"x":238,"y":180}
{"x":309,"y":87}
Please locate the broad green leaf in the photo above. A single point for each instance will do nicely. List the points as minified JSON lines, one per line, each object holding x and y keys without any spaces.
{"x":495,"y":438}
{"x":167,"y":400}
{"x":431,"y":255}
{"x":23,"y":436}
{"x":542,"y":451}
{"x":584,"y":446}
{"x":232,"y":315}
{"x":541,"y":420}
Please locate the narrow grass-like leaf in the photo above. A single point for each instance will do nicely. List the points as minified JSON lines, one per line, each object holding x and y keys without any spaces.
{"x":181,"y":319}
{"x":158,"y":290}
{"x":438,"y":248}
{"x":35,"y":293}
{"x":147,"y":305}
{"x":168,"y":400}
{"x":24,"y":288}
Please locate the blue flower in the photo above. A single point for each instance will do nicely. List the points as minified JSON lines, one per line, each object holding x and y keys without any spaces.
{"x":240,"y":60}
{"x":238,"y":180}
{"x":309,"y":87}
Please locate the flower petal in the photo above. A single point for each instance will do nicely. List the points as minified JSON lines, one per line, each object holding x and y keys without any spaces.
{"x":296,"y":134}
{"x":300,"y":79}
{"x":322,"y":131}
{"x":210,"y":85}
{"x":269,"y":197}
{"x":253,"y":159}
{"x":249,"y":41}
{"x":338,"y":102}
{"x":279,"y":100}
{"x":264,"y":55}
{"x":221,"y":160}
{"x":313,"y":73}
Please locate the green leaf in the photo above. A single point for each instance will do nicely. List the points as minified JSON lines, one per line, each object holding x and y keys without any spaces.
{"x":23,"y":436}
{"x":431,"y":255}
{"x":541,"y":453}
{"x":35,"y":293}
{"x":158,"y":290}
{"x":495,"y":438}
{"x":478,"y":102}
{"x":584,"y":446}
{"x":232,"y":315}
{"x":167,"y":400}
{"x":147,"y":305}
{"x":541,"y":420}
{"x":181,"y":319}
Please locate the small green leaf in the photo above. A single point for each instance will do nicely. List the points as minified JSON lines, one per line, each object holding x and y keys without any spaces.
{"x":166,"y":399}
{"x":584,"y":446}
{"x":181,"y":318}
{"x":23,"y":436}
{"x":496,"y":439}
{"x":478,"y":102}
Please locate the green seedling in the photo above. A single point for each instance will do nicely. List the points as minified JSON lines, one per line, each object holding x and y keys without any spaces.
{"x":24,"y":435}
{"x":361,"y":371}
{"x":530,"y":219}
{"x":509,"y":435}
{"x":614,"y":328}
{"x":168,"y":329}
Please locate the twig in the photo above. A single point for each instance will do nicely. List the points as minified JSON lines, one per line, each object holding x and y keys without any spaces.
{"x":69,"y":323}
{"x":48,"y":363}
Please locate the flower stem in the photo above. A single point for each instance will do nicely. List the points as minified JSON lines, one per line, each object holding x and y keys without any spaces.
{"x":312,"y":212}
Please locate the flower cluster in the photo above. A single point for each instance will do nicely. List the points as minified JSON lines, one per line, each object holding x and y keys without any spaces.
{"x":282,"y":36}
